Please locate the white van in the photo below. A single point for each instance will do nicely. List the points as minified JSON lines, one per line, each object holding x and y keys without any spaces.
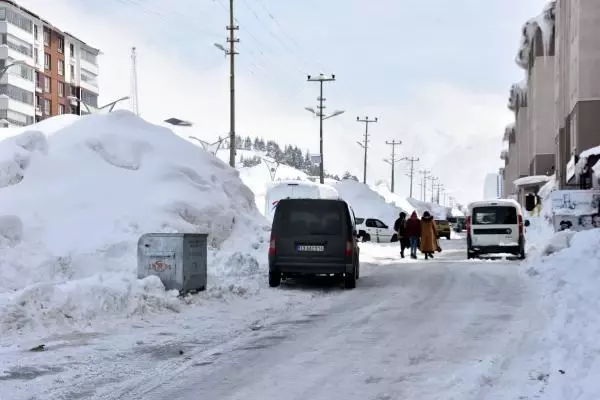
{"x":495,"y":227}
{"x":296,"y":190}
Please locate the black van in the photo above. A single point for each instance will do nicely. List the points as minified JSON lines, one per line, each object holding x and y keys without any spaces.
{"x":313,"y":237}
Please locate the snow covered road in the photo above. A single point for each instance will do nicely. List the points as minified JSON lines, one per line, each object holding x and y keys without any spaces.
{"x":442,"y":329}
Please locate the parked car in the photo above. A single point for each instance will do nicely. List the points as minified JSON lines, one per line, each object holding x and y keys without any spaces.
{"x":443,"y":228}
{"x":372,"y":229}
{"x":495,"y":227}
{"x":314,"y":237}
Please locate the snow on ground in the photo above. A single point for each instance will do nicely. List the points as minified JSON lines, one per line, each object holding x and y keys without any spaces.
{"x":74,"y":202}
{"x":368,"y":203}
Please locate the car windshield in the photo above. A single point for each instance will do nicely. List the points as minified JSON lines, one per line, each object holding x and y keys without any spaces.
{"x":359,"y":220}
{"x":305,"y":218}
{"x":441,"y":222}
{"x":495,"y":215}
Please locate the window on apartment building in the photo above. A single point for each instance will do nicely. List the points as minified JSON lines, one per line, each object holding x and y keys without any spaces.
{"x":16,"y":118}
{"x":61,"y":44}
{"x":89,"y":56}
{"x":88,"y":77}
{"x":573,"y":132}
{"x":17,"y":44}
{"x":89,"y":98}
{"x":47,"y":106}
{"x":46,"y":37}
{"x":72,"y":71}
{"x":16,"y":93}
{"x":47,"y":84}
{"x":22,"y":71}
{"x":35,"y":32}
{"x":61,"y":109}
{"x":38,"y":103}
{"x":16,"y":19}
{"x":36,"y":56}
{"x":61,"y":67}
{"x":71,"y":49}
{"x":47,"y":61}
{"x":61,"y":89}
{"x":73,"y":91}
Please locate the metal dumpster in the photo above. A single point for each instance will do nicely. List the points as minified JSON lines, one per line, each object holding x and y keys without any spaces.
{"x":178,"y":259}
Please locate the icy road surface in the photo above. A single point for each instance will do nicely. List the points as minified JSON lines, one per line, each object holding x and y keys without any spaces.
{"x":440,"y":329}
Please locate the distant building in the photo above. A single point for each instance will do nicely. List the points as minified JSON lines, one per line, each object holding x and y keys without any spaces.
{"x":490,"y":187}
{"x":60,"y":71}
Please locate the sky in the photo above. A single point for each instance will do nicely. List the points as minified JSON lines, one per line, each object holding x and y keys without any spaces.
{"x":436,"y":74}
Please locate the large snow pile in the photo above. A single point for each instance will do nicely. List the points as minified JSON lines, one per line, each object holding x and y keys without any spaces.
{"x":438,"y":211}
{"x":366,"y":202}
{"x":567,"y":278}
{"x":543,"y":23}
{"x":396,"y":199}
{"x":73,"y":205}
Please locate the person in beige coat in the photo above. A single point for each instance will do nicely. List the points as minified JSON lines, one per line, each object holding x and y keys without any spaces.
{"x":429,"y":242}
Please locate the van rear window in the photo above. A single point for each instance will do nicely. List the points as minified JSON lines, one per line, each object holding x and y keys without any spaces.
{"x":305,"y":218}
{"x":497,"y":215}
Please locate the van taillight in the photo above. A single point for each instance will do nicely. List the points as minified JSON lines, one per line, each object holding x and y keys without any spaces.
{"x":272,"y":245}
{"x":349,"y":248}
{"x":468,"y":225}
{"x":520,"y":224}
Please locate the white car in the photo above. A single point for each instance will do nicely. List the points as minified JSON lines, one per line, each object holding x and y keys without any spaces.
{"x":372,"y":229}
{"x":495,"y":227}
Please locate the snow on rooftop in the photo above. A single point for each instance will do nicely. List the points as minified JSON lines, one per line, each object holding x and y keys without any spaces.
{"x":73,"y":205}
{"x":517,"y":95}
{"x":532,"y":180}
{"x":508,"y":131}
{"x":545,"y":23}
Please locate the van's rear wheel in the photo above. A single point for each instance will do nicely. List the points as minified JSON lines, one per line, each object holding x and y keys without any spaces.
{"x":350,"y":279}
{"x":274,"y":278}
{"x":364,"y":236}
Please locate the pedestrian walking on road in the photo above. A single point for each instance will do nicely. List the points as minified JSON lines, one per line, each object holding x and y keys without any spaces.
{"x":413,"y":231}
{"x":400,"y":228}
{"x":429,"y":242}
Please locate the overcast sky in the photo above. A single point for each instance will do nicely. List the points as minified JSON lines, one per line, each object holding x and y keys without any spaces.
{"x":435,"y":72}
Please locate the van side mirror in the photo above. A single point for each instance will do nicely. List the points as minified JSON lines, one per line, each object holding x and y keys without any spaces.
{"x":527,"y":223}
{"x":354,"y":233}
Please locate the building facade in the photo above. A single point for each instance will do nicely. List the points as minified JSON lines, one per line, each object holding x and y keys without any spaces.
{"x":56,"y":72}
{"x":576,"y":85}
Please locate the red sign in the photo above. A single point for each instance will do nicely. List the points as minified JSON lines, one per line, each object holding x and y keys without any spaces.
{"x":159,"y":266}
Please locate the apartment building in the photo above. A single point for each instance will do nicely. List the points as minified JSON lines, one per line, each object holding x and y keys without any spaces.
{"x":56,"y":72}
{"x":576,"y":85}
{"x":531,"y":138}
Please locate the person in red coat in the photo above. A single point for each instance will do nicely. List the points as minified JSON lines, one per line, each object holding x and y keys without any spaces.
{"x":413,"y":231}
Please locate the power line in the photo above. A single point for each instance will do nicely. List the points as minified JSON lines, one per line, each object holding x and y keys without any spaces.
{"x":365,"y":143}
{"x":393,"y":160}
{"x":423,"y":184}
{"x":411,"y":174}
{"x":432,"y":179}
{"x":321,"y":79}
{"x":134,"y":84}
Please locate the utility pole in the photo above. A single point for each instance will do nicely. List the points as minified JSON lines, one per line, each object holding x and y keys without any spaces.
{"x":432,"y":179}
{"x":411,"y":174}
{"x":365,"y":144}
{"x":134,"y":84}
{"x":438,"y":187}
{"x":232,"y":40}
{"x":425,"y":173}
{"x":393,"y":160}
{"x":321,"y":78}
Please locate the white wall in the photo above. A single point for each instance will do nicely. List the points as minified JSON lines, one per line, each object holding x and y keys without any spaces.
{"x":541,"y":107}
{"x":522,"y":143}
{"x":588,"y":69}
{"x":490,"y":186}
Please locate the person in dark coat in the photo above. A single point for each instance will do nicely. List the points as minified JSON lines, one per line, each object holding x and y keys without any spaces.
{"x":400,"y":228}
{"x":413,"y":231}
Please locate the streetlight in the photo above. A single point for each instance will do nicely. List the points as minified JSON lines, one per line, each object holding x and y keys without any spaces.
{"x":4,"y":69}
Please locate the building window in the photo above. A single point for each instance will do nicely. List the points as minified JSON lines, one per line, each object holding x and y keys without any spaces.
{"x":72,"y":71}
{"x":61,"y":67}
{"x":71,"y":49}
{"x":47,"y":84}
{"x":61,"y":89}
{"x":39,"y":81}
{"x":89,"y":98}
{"x":88,"y":77}
{"x":36,"y":56}
{"x":89,"y":56}
{"x":16,"y":118}
{"x":46,"y":37}
{"x":73,"y":91}
{"x":61,"y":44}
{"x":35,"y":32}
{"x":61,"y":109}
{"x":17,"y":44}
{"x":47,"y":106}
{"x":47,"y":61}
{"x":16,"y":93}
{"x":22,"y":71}
{"x":6,"y":14}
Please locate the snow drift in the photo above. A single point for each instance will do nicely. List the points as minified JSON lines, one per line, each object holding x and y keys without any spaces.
{"x":566,"y":279}
{"x":73,"y":205}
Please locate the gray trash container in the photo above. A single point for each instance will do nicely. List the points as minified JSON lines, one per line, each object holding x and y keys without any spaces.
{"x":178,"y":259}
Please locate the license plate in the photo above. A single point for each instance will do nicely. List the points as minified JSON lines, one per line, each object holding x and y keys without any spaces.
{"x":310,"y":247}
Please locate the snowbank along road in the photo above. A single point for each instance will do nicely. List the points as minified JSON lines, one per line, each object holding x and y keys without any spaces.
{"x":440,"y":329}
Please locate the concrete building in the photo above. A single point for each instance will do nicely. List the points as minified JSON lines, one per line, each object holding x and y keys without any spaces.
{"x":60,"y":74}
{"x":490,"y":186}
{"x":576,"y":85}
